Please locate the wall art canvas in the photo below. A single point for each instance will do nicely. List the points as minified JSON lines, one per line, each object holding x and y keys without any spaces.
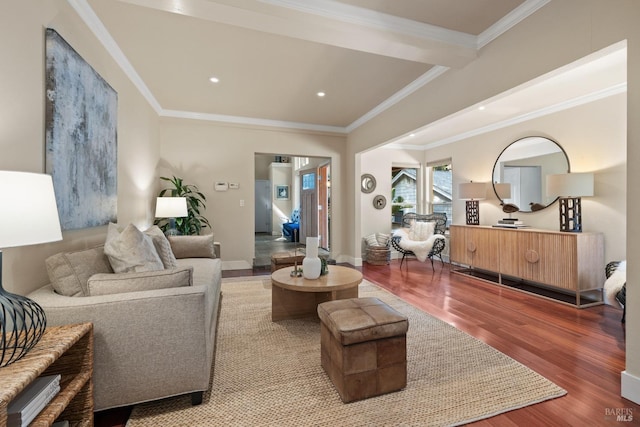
{"x":282,"y":192}
{"x":80,"y":137}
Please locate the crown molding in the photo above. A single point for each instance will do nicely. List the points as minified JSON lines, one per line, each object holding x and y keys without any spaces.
{"x":94,"y":23}
{"x":334,"y":10}
{"x":252,"y":121}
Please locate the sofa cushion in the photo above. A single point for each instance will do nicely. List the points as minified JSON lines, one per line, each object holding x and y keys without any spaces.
{"x":117,"y":283}
{"x":162,"y":245}
{"x":131,"y":250}
{"x":205,"y":270}
{"x":70,"y":271}
{"x":192,"y":246}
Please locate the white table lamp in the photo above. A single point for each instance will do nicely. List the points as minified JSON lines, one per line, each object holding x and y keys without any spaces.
{"x":570,"y":188}
{"x":472,"y":192}
{"x":29,"y":216}
{"x":172,"y":208}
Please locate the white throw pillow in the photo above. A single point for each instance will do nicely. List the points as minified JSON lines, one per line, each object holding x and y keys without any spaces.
{"x":371,"y":240}
{"x":131,"y":250}
{"x":421,"y":230}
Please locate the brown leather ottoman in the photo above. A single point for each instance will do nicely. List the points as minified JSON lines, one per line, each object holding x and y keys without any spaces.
{"x":363,"y":347}
{"x":285,"y":259}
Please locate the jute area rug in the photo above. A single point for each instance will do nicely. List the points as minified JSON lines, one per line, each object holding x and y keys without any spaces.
{"x":269,"y":374}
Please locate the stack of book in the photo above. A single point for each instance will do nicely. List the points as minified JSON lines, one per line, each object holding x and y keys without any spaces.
{"x":28,"y":404}
{"x":510,"y":223}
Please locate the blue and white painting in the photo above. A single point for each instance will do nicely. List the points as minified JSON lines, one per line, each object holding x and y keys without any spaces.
{"x":81,"y":137}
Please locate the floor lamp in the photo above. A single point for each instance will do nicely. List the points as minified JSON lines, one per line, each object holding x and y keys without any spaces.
{"x":570,"y":188}
{"x":29,"y":215}
{"x":472,"y":192}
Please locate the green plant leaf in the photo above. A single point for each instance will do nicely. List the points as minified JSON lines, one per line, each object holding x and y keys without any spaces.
{"x":193,"y":223}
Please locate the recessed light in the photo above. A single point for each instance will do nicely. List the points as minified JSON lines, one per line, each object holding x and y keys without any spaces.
{"x":481,"y":108}
{"x":321,"y":94}
{"x":214,"y":79}
{"x":412,"y":135}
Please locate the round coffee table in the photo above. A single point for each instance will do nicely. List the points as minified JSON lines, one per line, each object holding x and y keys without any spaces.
{"x":297,"y":297}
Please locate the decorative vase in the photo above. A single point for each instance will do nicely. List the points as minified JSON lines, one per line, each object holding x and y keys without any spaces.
{"x":311,"y":264}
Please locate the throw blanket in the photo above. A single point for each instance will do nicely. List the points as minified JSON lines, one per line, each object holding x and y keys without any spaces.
{"x":614,"y":283}
{"x":420,"y":248}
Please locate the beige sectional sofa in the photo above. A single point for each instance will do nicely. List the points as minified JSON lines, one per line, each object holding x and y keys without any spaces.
{"x":154,"y":331}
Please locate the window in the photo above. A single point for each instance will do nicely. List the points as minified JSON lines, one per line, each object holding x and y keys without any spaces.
{"x":439,"y":188}
{"x":404,"y":193}
{"x":309,"y":181}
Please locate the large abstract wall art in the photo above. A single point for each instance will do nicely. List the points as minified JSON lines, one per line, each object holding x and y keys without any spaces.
{"x":81,"y":137}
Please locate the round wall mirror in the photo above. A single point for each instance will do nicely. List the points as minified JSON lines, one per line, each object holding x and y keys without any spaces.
{"x":524,"y":165}
{"x":367,"y":183}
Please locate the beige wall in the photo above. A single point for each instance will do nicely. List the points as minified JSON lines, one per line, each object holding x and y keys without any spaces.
{"x":378,"y":163}
{"x":205,"y":152}
{"x":558,"y":34}
{"x":594,"y":138}
{"x":22,"y":25}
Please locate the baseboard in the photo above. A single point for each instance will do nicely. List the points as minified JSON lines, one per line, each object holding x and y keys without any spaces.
{"x":236,"y":265}
{"x":630,"y":387}
{"x":356,"y":262}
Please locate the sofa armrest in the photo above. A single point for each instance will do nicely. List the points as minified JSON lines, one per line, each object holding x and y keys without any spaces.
{"x":140,"y":334}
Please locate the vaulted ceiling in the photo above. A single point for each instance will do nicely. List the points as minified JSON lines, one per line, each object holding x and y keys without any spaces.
{"x":273,"y":57}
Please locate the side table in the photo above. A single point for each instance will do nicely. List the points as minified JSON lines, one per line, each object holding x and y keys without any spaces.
{"x":65,"y":350}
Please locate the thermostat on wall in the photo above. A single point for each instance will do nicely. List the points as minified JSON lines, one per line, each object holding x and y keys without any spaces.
{"x":221,"y":186}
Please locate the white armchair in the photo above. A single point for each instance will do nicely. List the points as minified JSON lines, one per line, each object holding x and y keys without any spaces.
{"x":422,"y":236}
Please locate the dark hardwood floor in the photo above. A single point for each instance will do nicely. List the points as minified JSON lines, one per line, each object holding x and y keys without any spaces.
{"x":581,"y":350}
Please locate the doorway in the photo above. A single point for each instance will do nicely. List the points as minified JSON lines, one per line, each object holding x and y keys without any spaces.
{"x":280,"y":170}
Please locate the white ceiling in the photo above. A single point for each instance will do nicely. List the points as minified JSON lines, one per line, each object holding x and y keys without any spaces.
{"x":273,"y":56}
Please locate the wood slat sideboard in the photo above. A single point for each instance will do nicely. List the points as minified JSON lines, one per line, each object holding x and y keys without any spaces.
{"x":65,"y":350}
{"x":569,"y":263}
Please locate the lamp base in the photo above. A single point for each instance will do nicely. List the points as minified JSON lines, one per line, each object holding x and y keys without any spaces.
{"x":473,"y":212}
{"x":172,"y":230}
{"x":570,"y":214}
{"x":22,"y":323}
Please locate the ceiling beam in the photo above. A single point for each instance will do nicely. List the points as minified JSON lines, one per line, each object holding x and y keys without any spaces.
{"x":334,"y":24}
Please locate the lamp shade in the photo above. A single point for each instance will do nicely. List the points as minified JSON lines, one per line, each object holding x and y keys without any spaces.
{"x":171,"y":207}
{"x":29,"y":213}
{"x":503,"y":190}
{"x":570,"y":185}
{"x":472,"y":191}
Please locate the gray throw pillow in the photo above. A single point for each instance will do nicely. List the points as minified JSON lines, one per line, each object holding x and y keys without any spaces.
{"x":107,"y":284}
{"x":193,"y":246}
{"x":131,"y":250}
{"x":70,"y":271}
{"x":162,"y":245}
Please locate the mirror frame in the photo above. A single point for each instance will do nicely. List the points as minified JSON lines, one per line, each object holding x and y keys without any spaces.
{"x":493,"y":171}
{"x":367,"y":183}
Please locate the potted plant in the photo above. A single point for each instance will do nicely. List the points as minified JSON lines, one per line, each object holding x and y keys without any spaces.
{"x":194,"y":222}
{"x":397,"y":206}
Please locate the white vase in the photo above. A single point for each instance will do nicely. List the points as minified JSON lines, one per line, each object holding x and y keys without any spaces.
{"x":311,"y":264}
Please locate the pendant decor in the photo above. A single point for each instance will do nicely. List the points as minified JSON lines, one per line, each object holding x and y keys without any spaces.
{"x":311,"y":264}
